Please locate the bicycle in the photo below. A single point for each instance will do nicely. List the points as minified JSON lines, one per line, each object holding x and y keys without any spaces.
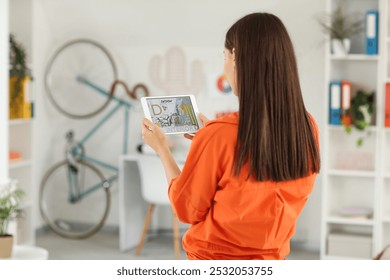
{"x":80,"y":188}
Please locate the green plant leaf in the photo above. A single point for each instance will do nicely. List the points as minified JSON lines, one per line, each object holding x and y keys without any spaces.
{"x":359,"y":116}
{"x":10,"y":200}
{"x":18,"y":64}
{"x":340,"y":25}
{"x":361,"y":110}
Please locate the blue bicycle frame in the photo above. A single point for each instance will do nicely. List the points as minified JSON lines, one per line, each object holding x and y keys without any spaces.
{"x":75,"y":151}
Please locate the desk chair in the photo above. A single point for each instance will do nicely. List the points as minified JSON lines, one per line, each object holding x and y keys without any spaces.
{"x":154,"y":190}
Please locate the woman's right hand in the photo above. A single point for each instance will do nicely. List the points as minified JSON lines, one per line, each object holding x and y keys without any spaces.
{"x":153,"y":136}
{"x":203,"y":119}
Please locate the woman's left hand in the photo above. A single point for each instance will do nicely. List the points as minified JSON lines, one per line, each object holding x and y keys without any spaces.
{"x":153,"y":136}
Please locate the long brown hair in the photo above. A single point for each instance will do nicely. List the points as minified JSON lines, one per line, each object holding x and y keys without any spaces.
{"x":275,"y":133}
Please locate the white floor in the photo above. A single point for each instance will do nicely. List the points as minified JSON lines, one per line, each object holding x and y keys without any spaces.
{"x":105,"y":246}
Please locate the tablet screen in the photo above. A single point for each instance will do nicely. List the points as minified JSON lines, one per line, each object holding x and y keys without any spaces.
{"x":173,"y":114}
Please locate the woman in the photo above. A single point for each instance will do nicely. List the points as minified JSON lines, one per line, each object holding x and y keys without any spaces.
{"x":247,"y":175}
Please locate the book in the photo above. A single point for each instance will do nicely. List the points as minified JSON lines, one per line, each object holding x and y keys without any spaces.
{"x":356,"y":212}
{"x":335,"y":103}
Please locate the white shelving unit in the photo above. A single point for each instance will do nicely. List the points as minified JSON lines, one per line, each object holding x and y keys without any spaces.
{"x":357,"y":176}
{"x":20,"y":132}
{"x":20,"y":135}
{"x":385,"y":192}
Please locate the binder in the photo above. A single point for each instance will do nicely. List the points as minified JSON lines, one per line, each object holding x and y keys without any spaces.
{"x":334,"y":103}
{"x":346,"y":117}
{"x":387,"y":105}
{"x":372,"y":25}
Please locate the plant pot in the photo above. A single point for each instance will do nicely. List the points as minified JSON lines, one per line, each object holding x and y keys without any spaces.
{"x":6,"y":244}
{"x":341,"y":47}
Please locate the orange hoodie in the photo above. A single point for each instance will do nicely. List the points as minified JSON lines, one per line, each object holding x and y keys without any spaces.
{"x":231,"y":217}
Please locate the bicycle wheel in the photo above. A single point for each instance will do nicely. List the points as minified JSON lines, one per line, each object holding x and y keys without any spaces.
{"x":79,"y":219}
{"x":77,"y":59}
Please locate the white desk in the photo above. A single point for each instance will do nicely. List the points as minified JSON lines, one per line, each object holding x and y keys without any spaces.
{"x":132,"y":206}
{"x":20,"y":252}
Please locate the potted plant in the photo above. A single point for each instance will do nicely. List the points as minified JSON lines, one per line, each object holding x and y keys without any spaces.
{"x":361,"y":111}
{"x":341,"y":26}
{"x":20,"y":76}
{"x":10,"y":199}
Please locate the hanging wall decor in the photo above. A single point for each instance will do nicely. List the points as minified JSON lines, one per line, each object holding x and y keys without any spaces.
{"x":170,"y":73}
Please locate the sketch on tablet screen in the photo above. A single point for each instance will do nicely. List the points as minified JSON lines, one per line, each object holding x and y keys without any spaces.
{"x":173,"y":114}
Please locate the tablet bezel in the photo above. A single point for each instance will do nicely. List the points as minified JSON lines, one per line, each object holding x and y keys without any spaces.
{"x":194,"y":106}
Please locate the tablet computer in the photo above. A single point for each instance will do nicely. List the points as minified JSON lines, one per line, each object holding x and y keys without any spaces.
{"x":173,"y":114}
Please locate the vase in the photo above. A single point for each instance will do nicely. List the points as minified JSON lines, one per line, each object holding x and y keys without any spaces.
{"x":341,"y":47}
{"x":6,"y":244}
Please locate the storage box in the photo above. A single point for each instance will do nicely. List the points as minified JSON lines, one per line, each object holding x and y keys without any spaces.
{"x":350,"y":245}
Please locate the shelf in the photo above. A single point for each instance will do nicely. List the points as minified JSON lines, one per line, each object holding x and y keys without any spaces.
{"x":351,"y":221}
{"x":351,"y":173}
{"x":354,"y":57}
{"x":342,"y":128}
{"x":20,"y":122}
{"x":19,"y":163}
{"x":386,"y":219}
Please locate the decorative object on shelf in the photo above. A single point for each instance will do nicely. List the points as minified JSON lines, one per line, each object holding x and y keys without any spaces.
{"x":360,"y":111}
{"x":14,"y":156}
{"x":356,"y":212}
{"x":341,"y":26}
{"x":19,"y":81}
{"x":10,"y":199}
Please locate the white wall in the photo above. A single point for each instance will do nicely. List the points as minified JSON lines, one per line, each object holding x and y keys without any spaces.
{"x":134,"y":31}
{"x":4,"y":42}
